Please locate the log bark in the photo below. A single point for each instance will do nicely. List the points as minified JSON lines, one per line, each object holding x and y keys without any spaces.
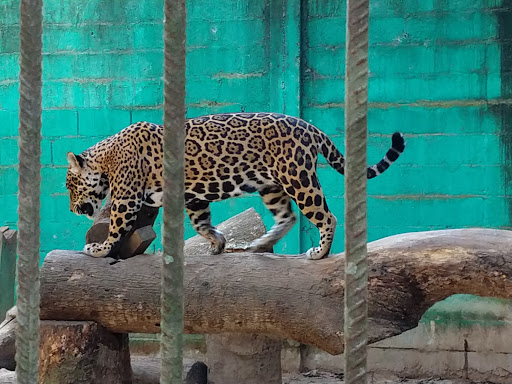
{"x":283,"y":296}
{"x":76,"y":352}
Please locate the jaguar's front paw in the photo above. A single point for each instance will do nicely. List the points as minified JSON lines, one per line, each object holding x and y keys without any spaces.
{"x":97,"y":249}
{"x":316,"y":253}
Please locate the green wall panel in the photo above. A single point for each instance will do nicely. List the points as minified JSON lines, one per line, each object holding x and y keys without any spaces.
{"x":438,"y":72}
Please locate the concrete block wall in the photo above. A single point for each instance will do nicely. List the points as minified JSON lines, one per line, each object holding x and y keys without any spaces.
{"x":436,"y":73}
{"x":439,"y":73}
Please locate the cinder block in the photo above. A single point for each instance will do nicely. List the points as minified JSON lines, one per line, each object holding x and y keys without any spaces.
{"x":76,"y":145}
{"x":395,"y":88}
{"x":148,"y":93}
{"x":410,"y":120}
{"x":248,"y":32}
{"x":423,"y":181}
{"x":151,"y":115}
{"x":144,"y":65}
{"x":148,"y":36}
{"x":9,"y":152}
{"x":59,"y":66}
{"x":9,"y":209}
{"x":102,"y":122}
{"x":9,"y":94}
{"x":46,"y":152}
{"x":204,"y":89}
{"x":10,"y":38}
{"x":11,"y":13}
{"x":53,"y":180}
{"x":10,"y":66}
{"x":59,"y":123}
{"x":8,"y":181}
{"x":55,"y":209}
{"x":97,"y":37}
{"x":9,"y":126}
{"x":224,"y":62}
{"x":93,"y":11}
{"x":57,"y":95}
{"x":120,"y":94}
{"x":200,"y":10}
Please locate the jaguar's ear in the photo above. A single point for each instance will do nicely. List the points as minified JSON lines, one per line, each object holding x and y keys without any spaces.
{"x":75,"y":162}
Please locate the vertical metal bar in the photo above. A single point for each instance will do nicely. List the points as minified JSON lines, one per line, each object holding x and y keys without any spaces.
{"x":356,"y":268}
{"x":27,"y":337}
{"x":174,"y":192}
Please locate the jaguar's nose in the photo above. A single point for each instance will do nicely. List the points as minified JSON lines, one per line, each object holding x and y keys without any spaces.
{"x":87,"y":209}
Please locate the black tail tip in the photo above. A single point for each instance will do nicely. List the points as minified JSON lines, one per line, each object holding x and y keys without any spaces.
{"x":398,"y":142}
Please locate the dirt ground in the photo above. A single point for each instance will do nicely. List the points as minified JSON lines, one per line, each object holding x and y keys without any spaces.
{"x":146,"y":371}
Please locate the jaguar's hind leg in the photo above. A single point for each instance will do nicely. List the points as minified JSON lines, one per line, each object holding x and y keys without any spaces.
{"x":277,"y":202}
{"x":200,"y":217}
{"x":311,"y":201}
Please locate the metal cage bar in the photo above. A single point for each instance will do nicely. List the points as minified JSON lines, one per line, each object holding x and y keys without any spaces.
{"x":27,"y":337}
{"x":356,"y":267}
{"x":174,"y":192}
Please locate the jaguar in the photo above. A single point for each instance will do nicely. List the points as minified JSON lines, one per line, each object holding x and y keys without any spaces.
{"x":226,"y":155}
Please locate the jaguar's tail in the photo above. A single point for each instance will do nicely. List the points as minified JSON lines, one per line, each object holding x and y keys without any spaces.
{"x":337,"y":161}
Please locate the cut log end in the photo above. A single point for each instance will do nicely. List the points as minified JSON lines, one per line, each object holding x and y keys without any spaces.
{"x":79,"y":352}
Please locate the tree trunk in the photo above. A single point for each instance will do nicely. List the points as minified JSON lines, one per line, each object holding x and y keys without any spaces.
{"x":72,"y":352}
{"x":284,"y":297}
{"x":77,"y":352}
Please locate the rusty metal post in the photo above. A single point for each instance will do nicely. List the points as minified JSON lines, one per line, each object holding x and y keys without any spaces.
{"x":27,"y":338}
{"x":356,"y":268}
{"x":174,"y":192}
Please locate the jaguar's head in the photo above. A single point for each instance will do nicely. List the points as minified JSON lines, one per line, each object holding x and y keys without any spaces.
{"x":87,"y":186}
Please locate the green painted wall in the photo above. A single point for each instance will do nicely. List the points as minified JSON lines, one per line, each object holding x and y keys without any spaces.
{"x":440,"y":73}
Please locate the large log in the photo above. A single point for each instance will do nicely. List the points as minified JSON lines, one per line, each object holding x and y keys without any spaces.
{"x":285,"y":297}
